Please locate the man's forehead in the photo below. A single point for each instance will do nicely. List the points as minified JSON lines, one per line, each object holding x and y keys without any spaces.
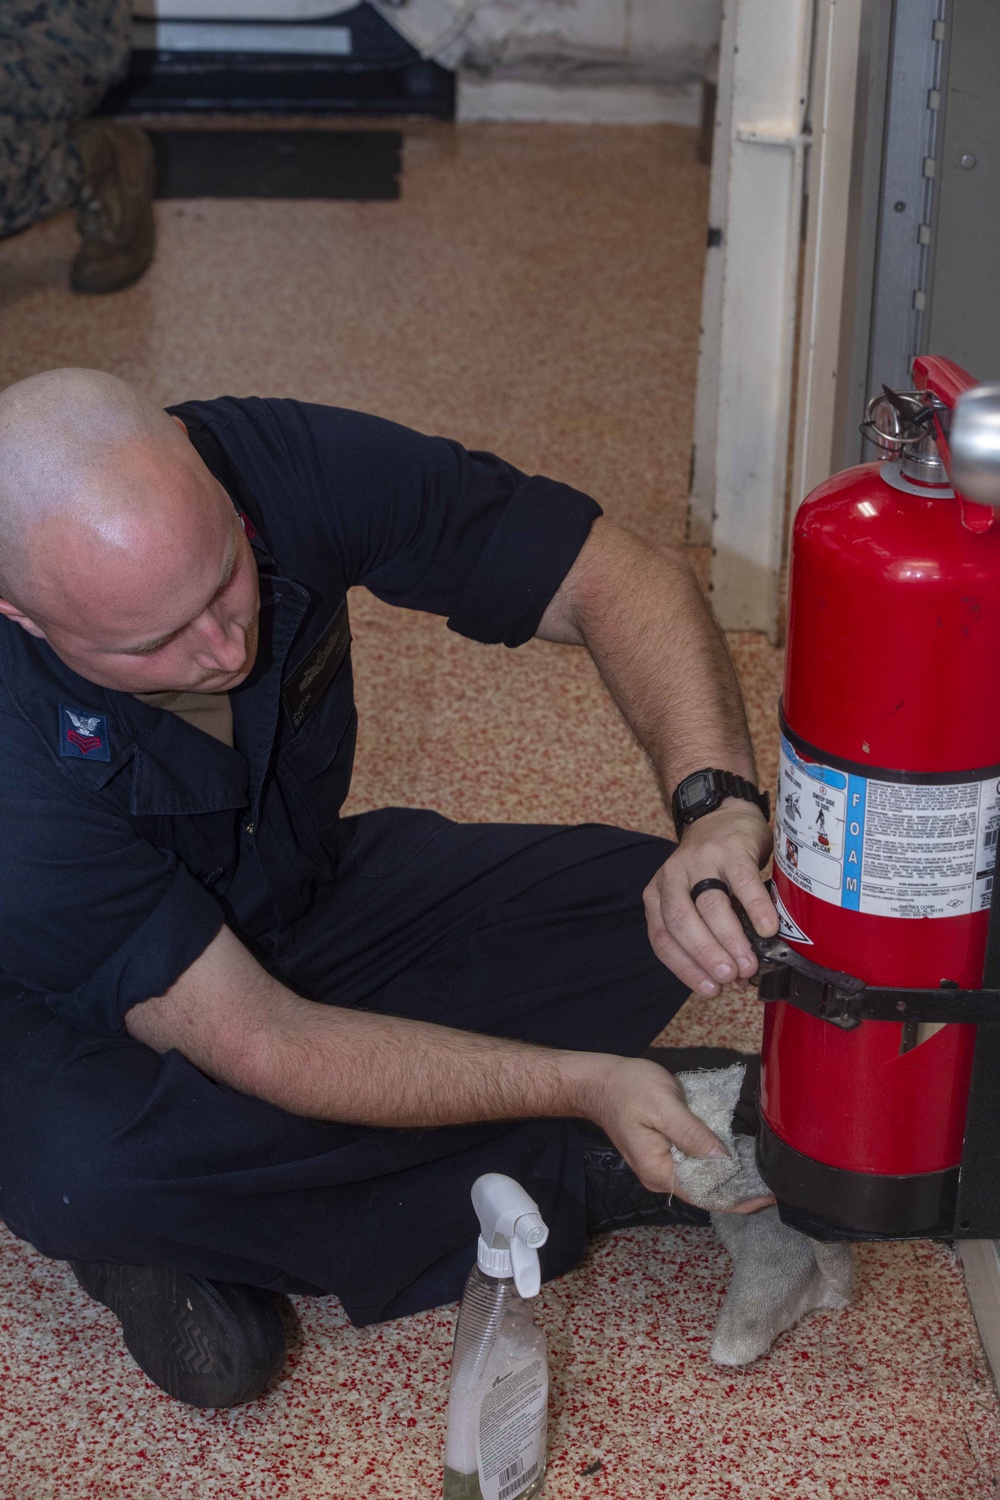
{"x":162,"y":577}
{"x":141,"y":647}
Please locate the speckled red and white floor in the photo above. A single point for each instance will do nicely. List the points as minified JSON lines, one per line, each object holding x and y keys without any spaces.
{"x":535,"y":292}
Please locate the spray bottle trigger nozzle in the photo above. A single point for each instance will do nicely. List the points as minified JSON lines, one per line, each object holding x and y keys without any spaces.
{"x":530,"y":1229}
{"x":510,"y":1231}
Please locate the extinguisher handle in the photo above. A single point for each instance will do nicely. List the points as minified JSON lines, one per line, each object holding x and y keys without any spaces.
{"x":942,"y":377}
{"x":947,"y":381}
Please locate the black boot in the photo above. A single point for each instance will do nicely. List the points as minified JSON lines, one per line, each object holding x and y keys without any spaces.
{"x":115,"y":215}
{"x":207,"y":1343}
{"x":616,"y":1199}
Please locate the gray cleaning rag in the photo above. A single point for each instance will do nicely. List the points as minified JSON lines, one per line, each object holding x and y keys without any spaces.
{"x":779,"y":1274}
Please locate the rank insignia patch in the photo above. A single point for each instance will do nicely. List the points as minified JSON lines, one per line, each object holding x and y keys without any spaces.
{"x":83,"y":735}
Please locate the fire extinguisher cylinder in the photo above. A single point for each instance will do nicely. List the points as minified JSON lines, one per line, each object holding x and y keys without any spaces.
{"x":887,"y":818}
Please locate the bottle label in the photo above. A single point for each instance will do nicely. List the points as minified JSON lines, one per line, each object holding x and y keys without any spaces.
{"x":511,"y":1439}
{"x":890,"y":848}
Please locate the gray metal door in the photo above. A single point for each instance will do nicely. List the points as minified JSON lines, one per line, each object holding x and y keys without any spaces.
{"x":963,"y":291}
{"x":925,"y":201}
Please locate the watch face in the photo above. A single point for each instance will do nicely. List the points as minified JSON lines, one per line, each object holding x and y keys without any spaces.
{"x":695,"y":791}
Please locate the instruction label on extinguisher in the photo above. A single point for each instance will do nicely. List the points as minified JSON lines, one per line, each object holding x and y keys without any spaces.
{"x":889,"y":848}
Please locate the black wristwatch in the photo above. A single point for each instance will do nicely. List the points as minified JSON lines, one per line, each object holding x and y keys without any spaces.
{"x":704,"y":791}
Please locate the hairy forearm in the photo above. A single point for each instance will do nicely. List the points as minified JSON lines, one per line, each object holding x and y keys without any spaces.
{"x":332,"y":1063}
{"x":640,"y":611}
{"x":365,"y":1069}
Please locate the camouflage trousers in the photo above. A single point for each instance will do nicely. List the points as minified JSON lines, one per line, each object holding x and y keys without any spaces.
{"x":57,"y":59}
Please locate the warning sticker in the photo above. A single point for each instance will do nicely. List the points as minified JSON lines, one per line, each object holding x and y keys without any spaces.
{"x":787,"y":925}
{"x":890,"y":848}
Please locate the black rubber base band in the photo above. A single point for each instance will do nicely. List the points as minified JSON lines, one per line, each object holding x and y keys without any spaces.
{"x":830,"y":1203}
{"x":880,"y":773}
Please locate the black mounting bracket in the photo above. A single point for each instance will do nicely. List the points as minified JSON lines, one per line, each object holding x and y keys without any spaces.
{"x":846,"y":1001}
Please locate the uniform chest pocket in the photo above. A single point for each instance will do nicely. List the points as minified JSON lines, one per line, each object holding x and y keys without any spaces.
{"x":318,"y":758}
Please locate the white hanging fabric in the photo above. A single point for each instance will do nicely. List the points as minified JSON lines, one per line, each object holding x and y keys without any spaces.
{"x":239,"y":10}
{"x":434,"y":27}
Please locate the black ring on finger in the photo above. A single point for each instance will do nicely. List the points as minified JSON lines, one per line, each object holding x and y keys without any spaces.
{"x":711,"y":884}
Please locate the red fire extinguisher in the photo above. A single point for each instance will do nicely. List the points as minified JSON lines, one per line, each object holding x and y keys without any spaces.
{"x":887,"y":818}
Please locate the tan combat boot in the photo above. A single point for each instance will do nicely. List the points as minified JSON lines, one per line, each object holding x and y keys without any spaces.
{"x":115,"y":216}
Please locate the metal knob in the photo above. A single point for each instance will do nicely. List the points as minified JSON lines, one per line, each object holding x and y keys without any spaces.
{"x":975,"y":444}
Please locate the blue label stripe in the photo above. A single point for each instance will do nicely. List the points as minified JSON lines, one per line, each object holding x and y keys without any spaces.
{"x":824,"y":774}
{"x":854,"y":841}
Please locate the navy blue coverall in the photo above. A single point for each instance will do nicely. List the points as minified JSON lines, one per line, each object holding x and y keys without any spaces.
{"x":130,"y":837}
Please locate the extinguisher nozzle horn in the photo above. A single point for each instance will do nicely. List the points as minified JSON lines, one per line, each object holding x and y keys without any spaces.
{"x":975,"y":444}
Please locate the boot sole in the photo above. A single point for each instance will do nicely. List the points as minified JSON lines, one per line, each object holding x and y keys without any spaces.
{"x":206,"y":1343}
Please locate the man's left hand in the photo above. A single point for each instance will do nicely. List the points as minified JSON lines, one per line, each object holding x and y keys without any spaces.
{"x":704,"y":944}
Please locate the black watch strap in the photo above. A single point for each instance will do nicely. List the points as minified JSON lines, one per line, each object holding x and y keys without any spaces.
{"x":704,"y":791}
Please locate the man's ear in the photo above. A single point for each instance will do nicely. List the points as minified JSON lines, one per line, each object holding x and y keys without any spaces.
{"x":181,"y":425}
{"x":13,"y":613}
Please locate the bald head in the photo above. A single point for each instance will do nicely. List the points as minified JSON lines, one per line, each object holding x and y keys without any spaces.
{"x":113,"y":533}
{"x":76,"y":448}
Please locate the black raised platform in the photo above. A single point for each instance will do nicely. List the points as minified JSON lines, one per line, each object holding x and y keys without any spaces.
{"x":277,"y":163}
{"x":382,"y":74}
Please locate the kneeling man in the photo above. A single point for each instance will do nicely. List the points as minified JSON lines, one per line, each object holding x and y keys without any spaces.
{"x":249,"y":1046}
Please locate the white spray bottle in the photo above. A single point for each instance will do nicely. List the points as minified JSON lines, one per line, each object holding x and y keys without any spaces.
{"x":498,"y":1403}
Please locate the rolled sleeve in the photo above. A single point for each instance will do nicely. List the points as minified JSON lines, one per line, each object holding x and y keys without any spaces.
{"x":531,"y":548}
{"x":420,"y":521}
{"x":485,"y":545}
{"x":176,"y":932}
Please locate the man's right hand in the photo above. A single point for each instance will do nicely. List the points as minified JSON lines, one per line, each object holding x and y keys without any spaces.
{"x":642,"y":1108}
{"x":704,"y":944}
